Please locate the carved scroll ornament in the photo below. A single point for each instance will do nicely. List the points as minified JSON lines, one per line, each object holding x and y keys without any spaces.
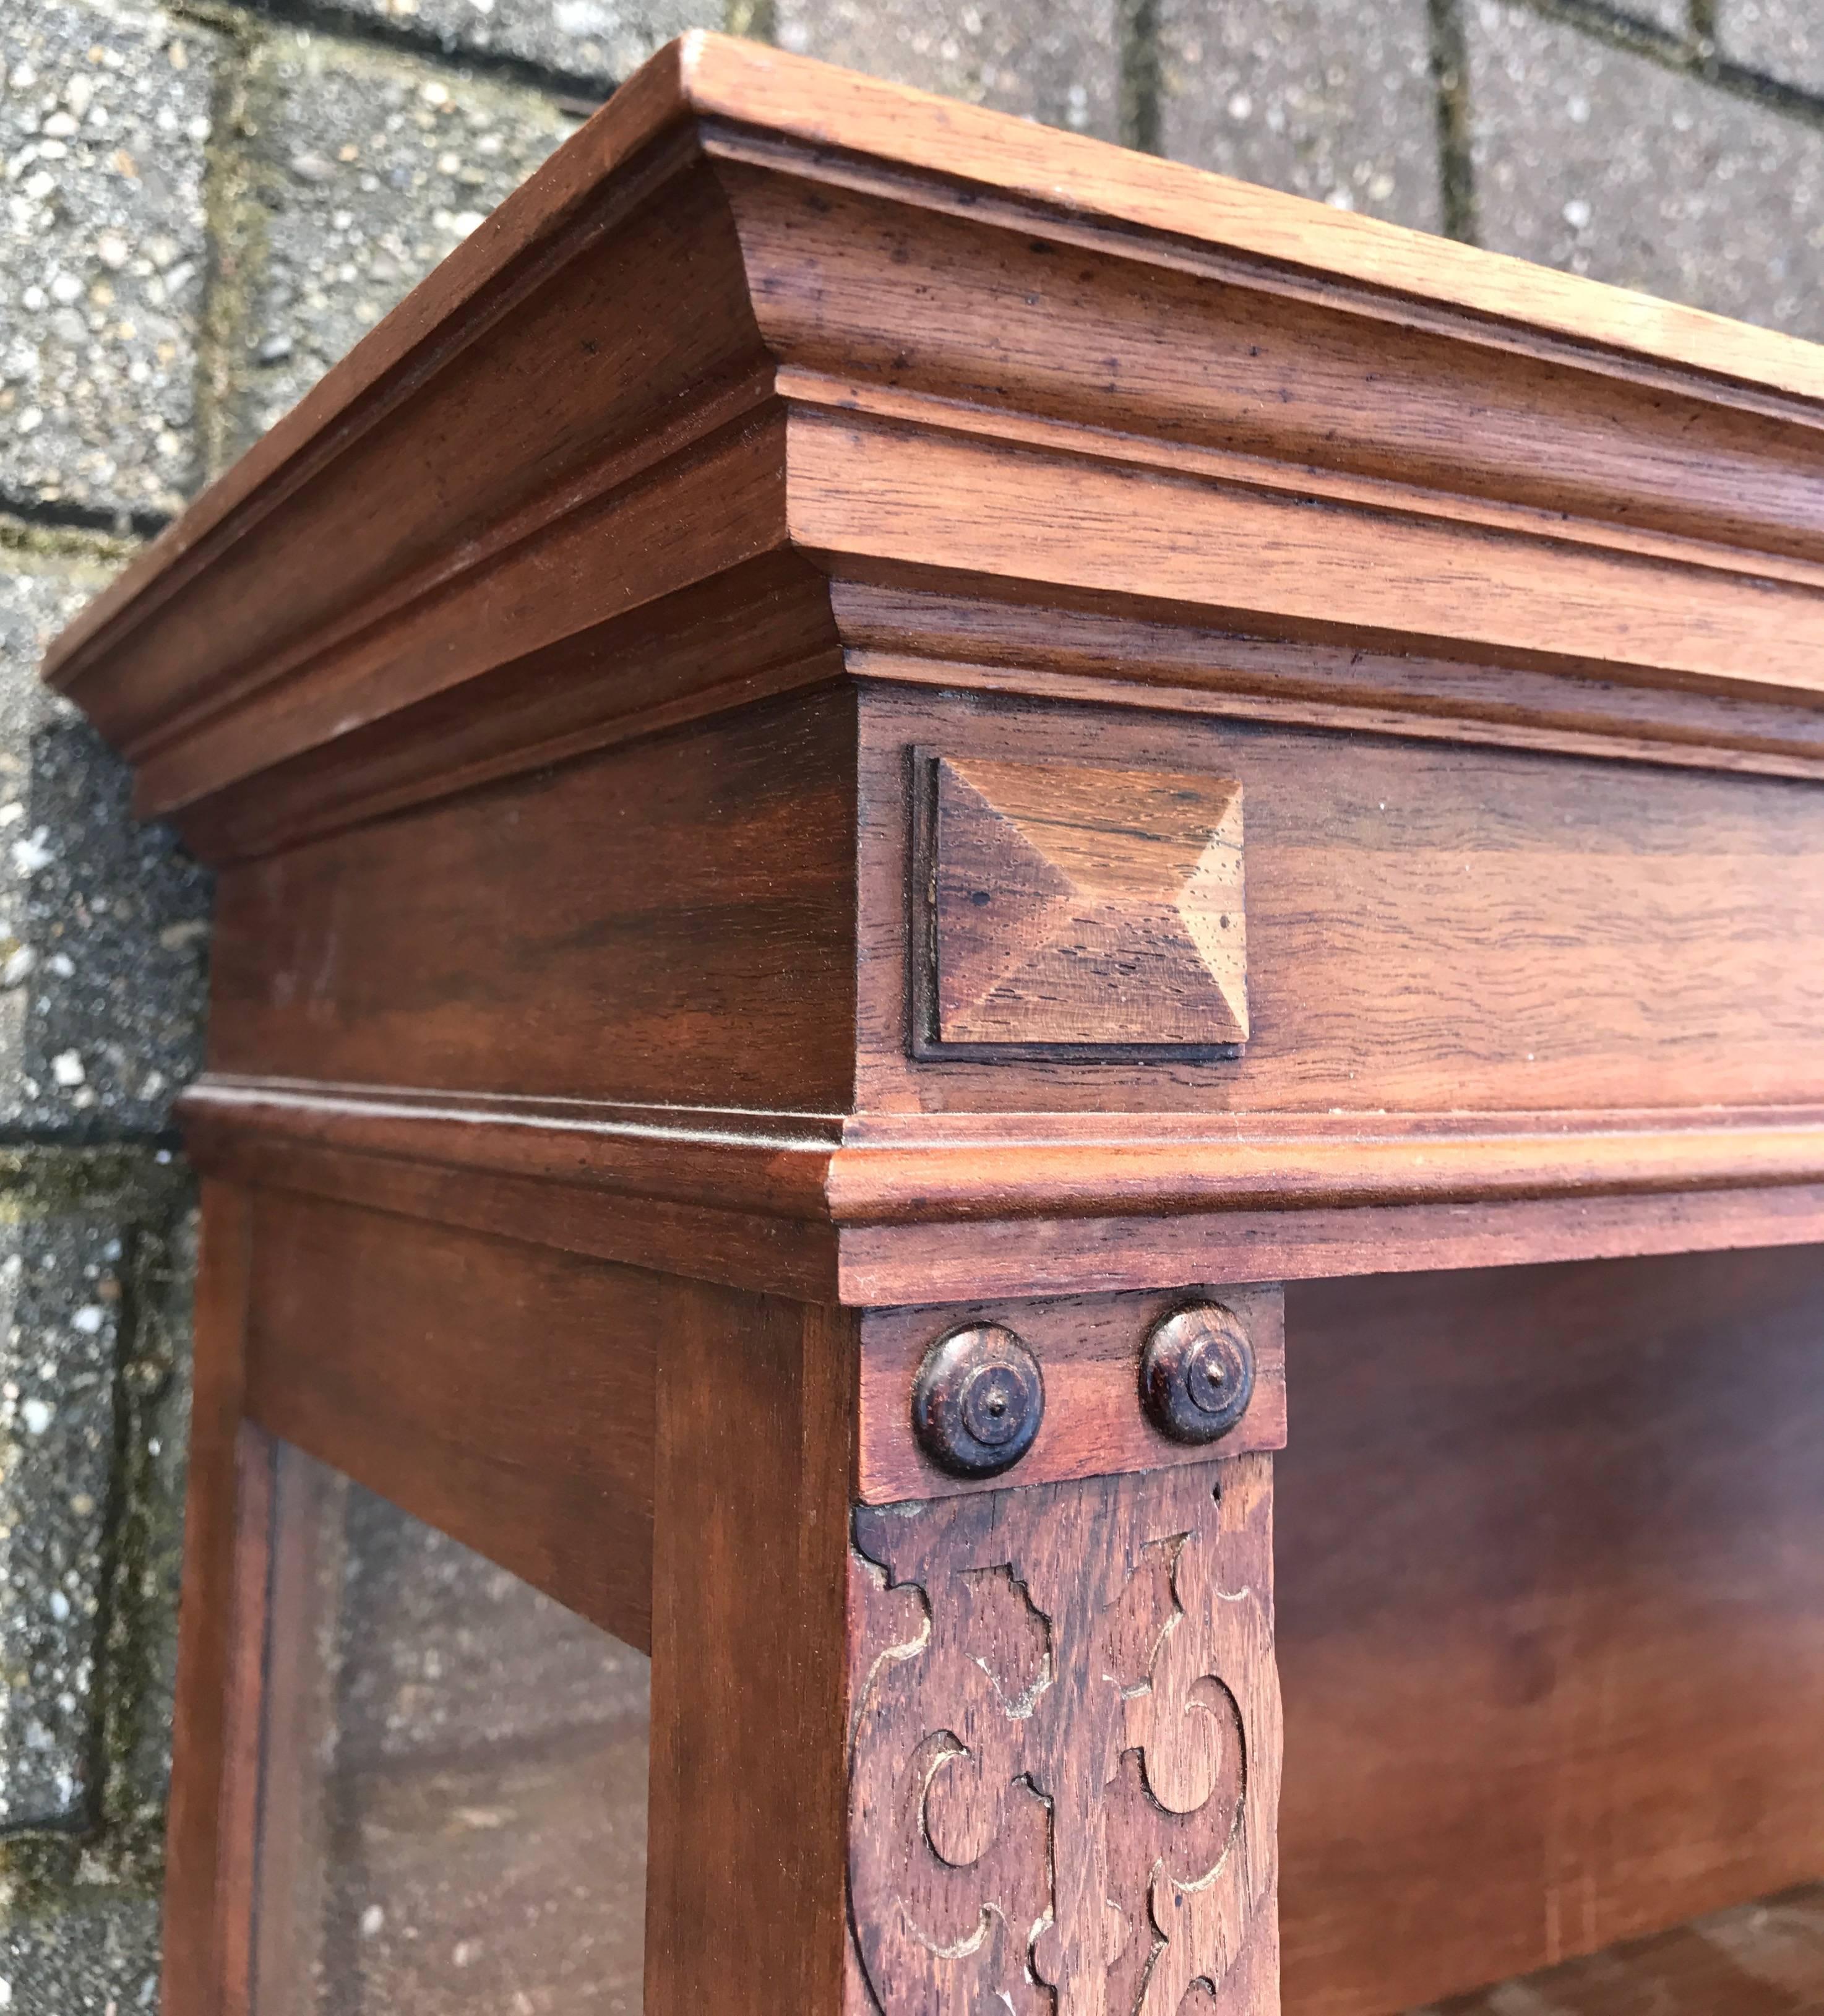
{"x":1066,"y":1749}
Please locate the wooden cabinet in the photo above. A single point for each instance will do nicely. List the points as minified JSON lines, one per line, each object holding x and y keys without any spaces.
{"x":894,"y":794}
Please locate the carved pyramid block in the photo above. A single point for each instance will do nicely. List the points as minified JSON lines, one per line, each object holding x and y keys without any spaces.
{"x":1069,"y":908}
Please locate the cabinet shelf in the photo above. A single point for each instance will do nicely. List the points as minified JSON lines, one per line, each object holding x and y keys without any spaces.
{"x":1763,"y":1959}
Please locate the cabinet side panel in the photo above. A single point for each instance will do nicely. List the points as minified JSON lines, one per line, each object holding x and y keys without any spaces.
{"x":500,"y":1392}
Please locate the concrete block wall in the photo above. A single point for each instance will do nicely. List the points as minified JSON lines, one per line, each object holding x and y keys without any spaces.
{"x":204,"y":203}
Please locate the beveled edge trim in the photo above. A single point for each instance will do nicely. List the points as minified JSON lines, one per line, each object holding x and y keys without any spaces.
{"x":1410,"y":712}
{"x":885,"y":1265}
{"x":1461,"y":510}
{"x":918,"y":1168}
{"x":619,"y":1198}
{"x":1109,"y":1167}
{"x":1435,"y":585}
{"x":770,"y":1163}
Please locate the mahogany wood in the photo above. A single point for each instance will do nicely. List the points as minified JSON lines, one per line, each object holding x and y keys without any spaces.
{"x":1551,"y":1614}
{"x":747,"y":1900}
{"x":240,"y":1709}
{"x":298,"y":1718}
{"x":613,"y":1074}
{"x":1066,"y":1747}
{"x":1089,"y":1351}
{"x":1430,"y":931}
{"x":537,"y":936}
{"x":214,"y":1736}
{"x":1762,"y":1958}
{"x":1067,"y":909}
{"x":499,"y":1390}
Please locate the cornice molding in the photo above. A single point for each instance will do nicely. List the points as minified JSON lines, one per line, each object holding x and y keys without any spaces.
{"x":1199,"y":443}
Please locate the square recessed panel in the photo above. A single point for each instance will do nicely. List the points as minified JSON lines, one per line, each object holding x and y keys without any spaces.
{"x":1067,"y":909}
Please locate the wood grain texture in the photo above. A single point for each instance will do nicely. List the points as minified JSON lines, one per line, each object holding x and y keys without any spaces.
{"x":1066,"y":1748}
{"x":1013,"y":640}
{"x":1034,"y":1256}
{"x":1551,"y":1615}
{"x":215,"y":1732}
{"x":547,"y":687}
{"x":1429,"y":929}
{"x":298,"y":1735}
{"x":867,"y":1212}
{"x":499,"y":1391}
{"x":1763,"y":1959}
{"x":720,"y":344}
{"x":542,"y":937}
{"x":1088,"y":1350}
{"x":1307,"y":251}
{"x":1074,"y":908}
{"x":745,"y":1898}
{"x":242,"y":1711}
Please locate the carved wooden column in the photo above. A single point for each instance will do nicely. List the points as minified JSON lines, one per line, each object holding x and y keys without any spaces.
{"x":869,"y":763}
{"x":1015,"y":1736}
{"x":1064,"y":1772}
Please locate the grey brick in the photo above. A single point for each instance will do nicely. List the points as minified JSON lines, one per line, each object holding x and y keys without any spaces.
{"x":96,"y":1247}
{"x":145,"y":1548}
{"x":1052,"y":60}
{"x":373,"y":171}
{"x":103,"y":922}
{"x":1783,"y":37}
{"x":60,"y":1306}
{"x":99,"y":1959}
{"x":598,"y":42}
{"x":1600,"y":161}
{"x":89,"y":1350}
{"x":1673,"y":16}
{"x":1325,"y":98}
{"x":103,"y":123}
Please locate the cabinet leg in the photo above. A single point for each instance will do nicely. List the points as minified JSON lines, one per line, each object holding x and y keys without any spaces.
{"x":754,"y":1452}
{"x":215,"y":1739}
{"x":1014,"y":1749}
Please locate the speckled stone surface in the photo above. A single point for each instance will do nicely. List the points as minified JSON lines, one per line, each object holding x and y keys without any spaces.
{"x":99,"y":1959}
{"x":371,"y":172}
{"x":103,"y":121}
{"x":201,"y":208}
{"x":103,"y":923}
{"x":1606,"y":163}
{"x":1320,"y":97}
{"x":60,"y":1312}
{"x":1785,"y":38}
{"x":1674,"y":16}
{"x":598,"y":42}
{"x":96,"y":1254}
{"x":1051,"y":60}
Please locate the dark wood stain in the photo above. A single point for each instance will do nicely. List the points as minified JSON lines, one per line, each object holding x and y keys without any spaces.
{"x":590,"y":1154}
{"x":1552,"y":1613}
